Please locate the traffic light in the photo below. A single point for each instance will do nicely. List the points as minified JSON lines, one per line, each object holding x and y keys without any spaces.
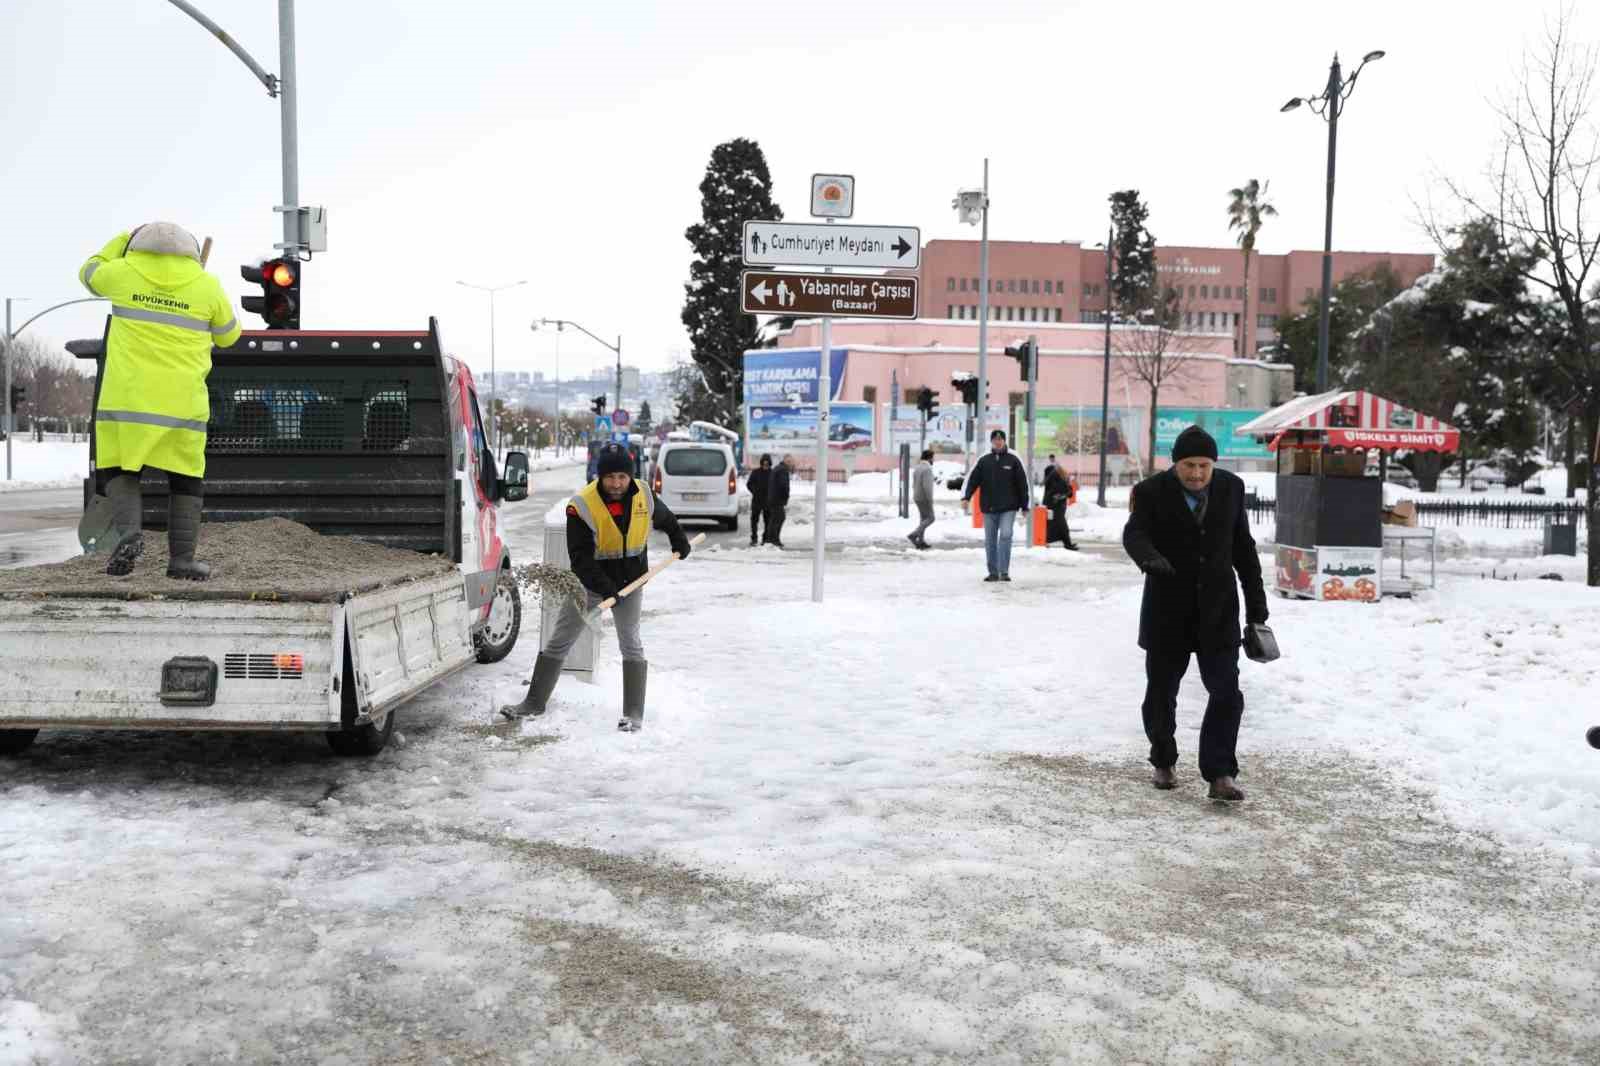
{"x":928,"y":403}
{"x":19,"y":396}
{"x":967,"y":384}
{"x":279,"y":302}
{"x":1023,"y":353}
{"x":598,"y":403}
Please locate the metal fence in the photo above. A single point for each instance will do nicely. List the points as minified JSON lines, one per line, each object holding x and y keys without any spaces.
{"x":1505,"y":514}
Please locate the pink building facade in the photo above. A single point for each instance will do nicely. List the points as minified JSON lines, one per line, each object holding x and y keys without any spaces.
{"x":1066,"y":283}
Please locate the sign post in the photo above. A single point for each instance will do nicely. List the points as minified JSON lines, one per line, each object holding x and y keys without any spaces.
{"x":1033,"y":422}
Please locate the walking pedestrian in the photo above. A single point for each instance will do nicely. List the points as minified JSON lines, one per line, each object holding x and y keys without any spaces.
{"x":778,"y":501}
{"x":760,"y":481}
{"x":1059,"y":494}
{"x":922,"y":495}
{"x":1002,"y":487}
{"x":608,"y":533}
{"x":1188,"y":532}
{"x":166,"y":314}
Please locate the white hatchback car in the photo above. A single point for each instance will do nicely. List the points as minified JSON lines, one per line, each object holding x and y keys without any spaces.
{"x":698,"y":479}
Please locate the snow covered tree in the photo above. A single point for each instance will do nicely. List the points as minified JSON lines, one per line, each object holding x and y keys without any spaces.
{"x":645,"y":423}
{"x":736,"y":189}
{"x":1133,"y":277}
{"x":1355,"y":300}
{"x":693,"y":399}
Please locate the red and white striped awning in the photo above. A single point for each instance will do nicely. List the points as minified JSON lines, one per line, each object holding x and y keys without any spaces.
{"x":1354,"y":419}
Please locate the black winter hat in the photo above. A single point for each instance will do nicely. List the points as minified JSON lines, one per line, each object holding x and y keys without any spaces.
{"x":614,"y":459}
{"x":1194,"y":443}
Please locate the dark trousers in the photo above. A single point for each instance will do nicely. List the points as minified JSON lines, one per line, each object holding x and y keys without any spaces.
{"x":1219,"y":731}
{"x":177,"y":484}
{"x":1057,"y":528}
{"x":758,"y":511}
{"x":775,"y":515}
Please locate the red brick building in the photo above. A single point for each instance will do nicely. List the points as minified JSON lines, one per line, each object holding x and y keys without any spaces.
{"x":1032,"y":281}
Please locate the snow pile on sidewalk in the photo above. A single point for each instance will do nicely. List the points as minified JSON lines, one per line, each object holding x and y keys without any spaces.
{"x":50,"y":464}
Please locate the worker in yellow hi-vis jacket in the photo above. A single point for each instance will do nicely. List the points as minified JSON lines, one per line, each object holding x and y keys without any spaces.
{"x":166,"y":313}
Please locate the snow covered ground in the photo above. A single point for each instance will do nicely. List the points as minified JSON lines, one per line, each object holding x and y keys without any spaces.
{"x":49,"y":464}
{"x":909,"y":825}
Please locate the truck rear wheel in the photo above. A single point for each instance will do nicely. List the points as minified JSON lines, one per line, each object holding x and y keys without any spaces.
{"x":363,"y":740}
{"x":15,"y":741}
{"x":499,"y":634}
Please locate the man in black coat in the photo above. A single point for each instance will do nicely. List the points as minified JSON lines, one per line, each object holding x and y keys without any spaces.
{"x":1187,"y":531}
{"x":760,"y":481}
{"x":778,"y":501}
{"x":1002,"y":486}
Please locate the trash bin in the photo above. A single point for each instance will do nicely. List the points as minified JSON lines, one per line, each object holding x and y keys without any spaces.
{"x":1560,"y":537}
{"x":580,"y":661}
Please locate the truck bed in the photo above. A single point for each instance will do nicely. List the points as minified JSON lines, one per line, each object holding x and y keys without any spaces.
{"x":270,"y":559}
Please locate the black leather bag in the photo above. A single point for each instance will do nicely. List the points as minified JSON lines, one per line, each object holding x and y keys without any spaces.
{"x":1260,"y":645}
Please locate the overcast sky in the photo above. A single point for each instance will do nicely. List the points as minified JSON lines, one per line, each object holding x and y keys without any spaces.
{"x":564,"y":143}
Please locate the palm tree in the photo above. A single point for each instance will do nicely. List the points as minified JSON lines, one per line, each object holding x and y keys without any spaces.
{"x":1249,"y":207}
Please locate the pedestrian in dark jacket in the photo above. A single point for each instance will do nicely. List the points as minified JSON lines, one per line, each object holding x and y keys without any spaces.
{"x":778,"y":501}
{"x":760,"y":481}
{"x":922,"y":496}
{"x":1002,"y":486}
{"x":608,"y":531}
{"x":1057,"y":495}
{"x":1188,"y":532}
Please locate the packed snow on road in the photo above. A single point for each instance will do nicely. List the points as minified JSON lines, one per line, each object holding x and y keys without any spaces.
{"x":912,"y":824}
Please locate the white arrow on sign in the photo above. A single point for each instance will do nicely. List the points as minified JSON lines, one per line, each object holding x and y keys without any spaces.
{"x":761,"y":292}
{"x":806,"y":244}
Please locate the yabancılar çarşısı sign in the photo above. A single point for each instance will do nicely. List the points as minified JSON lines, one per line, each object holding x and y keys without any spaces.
{"x":789,"y":375}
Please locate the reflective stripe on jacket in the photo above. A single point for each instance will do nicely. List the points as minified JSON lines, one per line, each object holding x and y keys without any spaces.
{"x":608,"y":540}
{"x":166,"y":314}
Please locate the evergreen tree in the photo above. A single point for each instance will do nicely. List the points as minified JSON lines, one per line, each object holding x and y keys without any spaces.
{"x":644,"y":423}
{"x":693,"y":400}
{"x":736,"y":189}
{"x":1355,"y":300}
{"x":1133,"y":279}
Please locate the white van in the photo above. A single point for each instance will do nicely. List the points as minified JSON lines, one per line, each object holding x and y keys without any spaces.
{"x":698,"y":479}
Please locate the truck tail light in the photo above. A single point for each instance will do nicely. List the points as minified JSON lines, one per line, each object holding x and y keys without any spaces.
{"x":655,"y":481}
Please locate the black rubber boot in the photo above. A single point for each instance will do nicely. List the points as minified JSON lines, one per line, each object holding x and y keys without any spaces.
{"x":183,"y":533}
{"x":633,"y":679}
{"x":546,"y":672}
{"x":127,"y":504}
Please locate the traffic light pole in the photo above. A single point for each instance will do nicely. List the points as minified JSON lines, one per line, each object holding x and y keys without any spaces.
{"x":288,"y":115}
{"x":1033,"y":412}
{"x":980,"y":438}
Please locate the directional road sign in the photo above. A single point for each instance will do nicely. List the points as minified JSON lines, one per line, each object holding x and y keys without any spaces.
{"x":817,"y":244}
{"x":843,"y":295}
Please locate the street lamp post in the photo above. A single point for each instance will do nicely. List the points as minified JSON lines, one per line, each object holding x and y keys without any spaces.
{"x":1105,"y":378}
{"x":972,"y":207}
{"x":616,"y":348}
{"x":10,"y":337}
{"x":1329,"y":103}
{"x":494,"y":380}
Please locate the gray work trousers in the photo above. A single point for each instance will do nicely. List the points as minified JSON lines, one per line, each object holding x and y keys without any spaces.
{"x":925,"y":516}
{"x":624,"y":615}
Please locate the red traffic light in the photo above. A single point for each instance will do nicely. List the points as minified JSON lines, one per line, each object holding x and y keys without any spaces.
{"x":281,"y":275}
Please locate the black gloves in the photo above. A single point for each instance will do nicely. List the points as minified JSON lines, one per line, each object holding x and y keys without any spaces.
{"x":1158,"y":566}
{"x":680,"y":547}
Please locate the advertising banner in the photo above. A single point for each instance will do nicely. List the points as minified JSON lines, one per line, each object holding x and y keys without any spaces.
{"x":1076,"y":430}
{"x":779,"y":428}
{"x":1219,"y":422}
{"x":786,"y":376}
{"x":1349,"y":573}
{"x":947,"y":431}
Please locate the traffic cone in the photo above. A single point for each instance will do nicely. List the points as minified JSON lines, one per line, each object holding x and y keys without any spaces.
{"x":1041,"y":522}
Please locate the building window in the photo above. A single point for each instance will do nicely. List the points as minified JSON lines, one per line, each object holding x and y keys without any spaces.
{"x":1036,"y":288}
{"x":1191,"y":292}
{"x":949,"y":310}
{"x":1087,"y":288}
{"x":869,"y":394}
{"x":1213,"y":323}
{"x":1227,"y":292}
{"x":1058,"y":314}
{"x":950,"y":285}
{"x":1097,"y":289}
{"x":1011,"y":284}
{"x":963,"y":284}
{"x":1061,"y":288}
{"x":1205,"y":292}
{"x":1266,"y":321}
{"x":974,"y":284}
{"x":1188,"y":319}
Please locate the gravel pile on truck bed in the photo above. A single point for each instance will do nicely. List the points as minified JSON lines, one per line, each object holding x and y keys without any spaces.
{"x":272,"y":558}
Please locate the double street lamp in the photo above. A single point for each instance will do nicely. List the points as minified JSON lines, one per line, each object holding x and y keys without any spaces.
{"x":494,"y":384}
{"x":1329,"y":104}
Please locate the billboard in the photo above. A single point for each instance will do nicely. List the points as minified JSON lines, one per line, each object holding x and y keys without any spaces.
{"x":789,"y":375}
{"x":1076,"y":431}
{"x":782,"y":428}
{"x":1220,"y":423}
{"x":946,"y":431}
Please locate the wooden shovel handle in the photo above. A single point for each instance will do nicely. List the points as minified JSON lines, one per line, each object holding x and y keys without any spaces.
{"x":631,"y":586}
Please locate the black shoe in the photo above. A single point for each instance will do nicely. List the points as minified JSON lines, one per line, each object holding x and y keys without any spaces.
{"x":1005,"y":577}
{"x":992,"y":577}
{"x":1223,"y":788}
{"x":1071,"y":547}
{"x":912,"y":537}
{"x":629,"y":725}
{"x":1164,"y":778}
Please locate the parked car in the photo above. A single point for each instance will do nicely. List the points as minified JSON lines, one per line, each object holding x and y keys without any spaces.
{"x":698,"y":479}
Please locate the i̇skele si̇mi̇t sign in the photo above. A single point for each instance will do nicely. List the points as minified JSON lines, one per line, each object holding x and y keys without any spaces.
{"x":841,"y":295}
